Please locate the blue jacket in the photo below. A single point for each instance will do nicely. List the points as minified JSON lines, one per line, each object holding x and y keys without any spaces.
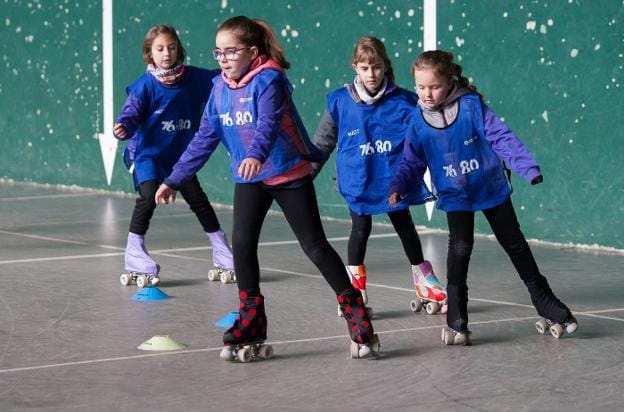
{"x":161,"y":120}
{"x":465,"y":159}
{"x":258,"y":120}
{"x":369,"y":148}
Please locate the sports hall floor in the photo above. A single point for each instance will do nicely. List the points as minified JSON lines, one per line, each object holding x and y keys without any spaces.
{"x":69,"y":331}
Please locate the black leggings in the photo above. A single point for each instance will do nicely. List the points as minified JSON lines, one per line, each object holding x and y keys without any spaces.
{"x":504,"y":223}
{"x":191,"y":191}
{"x":251,"y":204}
{"x":361,"y":227}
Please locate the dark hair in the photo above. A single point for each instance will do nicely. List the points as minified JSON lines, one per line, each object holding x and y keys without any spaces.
{"x":441,"y":62}
{"x":258,"y":33}
{"x":153,"y":33}
{"x":370,"y":48}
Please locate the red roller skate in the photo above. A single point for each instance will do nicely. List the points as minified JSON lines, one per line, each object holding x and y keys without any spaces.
{"x":364,"y":342}
{"x":244,"y":341}
{"x":357,"y":275}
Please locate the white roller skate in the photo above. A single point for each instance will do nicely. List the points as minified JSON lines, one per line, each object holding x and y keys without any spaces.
{"x":357,"y":275}
{"x":452,"y":337}
{"x":141,"y":269}
{"x":556,"y":329}
{"x":246,"y":352}
{"x":368,"y":350}
{"x":431,"y":294}
{"x":221,"y":258}
{"x":140,"y":279}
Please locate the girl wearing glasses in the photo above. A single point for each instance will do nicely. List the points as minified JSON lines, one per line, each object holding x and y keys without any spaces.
{"x":251,"y":111}
{"x":159,"y":118}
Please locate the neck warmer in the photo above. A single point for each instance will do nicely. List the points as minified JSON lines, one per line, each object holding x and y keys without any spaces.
{"x":166,"y":76}
{"x":444,"y":114}
{"x":257,"y":65}
{"x":363,"y":93}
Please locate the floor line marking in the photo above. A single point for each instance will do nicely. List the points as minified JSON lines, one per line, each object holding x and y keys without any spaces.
{"x":214,"y":349}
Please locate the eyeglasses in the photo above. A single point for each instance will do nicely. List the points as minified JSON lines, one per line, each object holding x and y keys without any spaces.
{"x":229,"y":54}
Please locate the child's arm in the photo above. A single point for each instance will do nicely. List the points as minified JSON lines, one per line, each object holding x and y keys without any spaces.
{"x":325,"y":138}
{"x":509,"y":147}
{"x":196,"y":154}
{"x":130,"y":118}
{"x":410,"y":171}
{"x":271,"y":105}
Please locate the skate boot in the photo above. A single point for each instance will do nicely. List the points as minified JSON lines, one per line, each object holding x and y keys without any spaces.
{"x":244,"y":341}
{"x":556,"y":329}
{"x":431,"y":294}
{"x":452,"y":337}
{"x":221,"y":258}
{"x":364,"y":342}
{"x":140,"y":267}
{"x":357,"y":275}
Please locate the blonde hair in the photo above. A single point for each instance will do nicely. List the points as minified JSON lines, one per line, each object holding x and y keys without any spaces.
{"x":441,"y":62}
{"x":368,"y":49}
{"x":258,"y":33}
{"x":154,"y":32}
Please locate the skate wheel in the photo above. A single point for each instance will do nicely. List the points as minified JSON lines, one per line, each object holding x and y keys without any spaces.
{"x":227,"y":354}
{"x":226,"y":277}
{"x":142,"y":281}
{"x":155,"y":280}
{"x":433,"y":308}
{"x":556,"y":330}
{"x":213,"y":275}
{"x":125,"y":279}
{"x":244,"y":354}
{"x":355,"y":350}
{"x":541,"y":326}
{"x":416,"y":305}
{"x":340,"y":314}
{"x":571,"y":326}
{"x":265,"y":351}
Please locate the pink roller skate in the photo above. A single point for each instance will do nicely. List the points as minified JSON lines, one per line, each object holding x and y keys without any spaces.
{"x":364,"y":342}
{"x":431,"y":294}
{"x":140,"y":267}
{"x":357,"y":275}
{"x":244,"y":341}
{"x":221,"y":258}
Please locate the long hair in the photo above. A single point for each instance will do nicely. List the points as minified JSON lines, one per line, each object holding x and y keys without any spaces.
{"x":368,"y":49}
{"x":441,"y":62}
{"x":153,"y":33}
{"x":258,"y":33}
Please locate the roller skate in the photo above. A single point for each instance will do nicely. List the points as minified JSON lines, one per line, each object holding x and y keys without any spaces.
{"x":556,"y":329}
{"x":244,"y":341}
{"x":431,"y":293}
{"x":221,"y":258}
{"x":357,"y":275}
{"x":141,"y":269}
{"x":452,"y":337}
{"x":364,"y":342}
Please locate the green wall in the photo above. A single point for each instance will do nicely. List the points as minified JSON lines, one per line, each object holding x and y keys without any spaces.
{"x":551,"y":69}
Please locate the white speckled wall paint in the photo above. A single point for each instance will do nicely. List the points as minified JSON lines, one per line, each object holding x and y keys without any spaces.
{"x":551,"y":69}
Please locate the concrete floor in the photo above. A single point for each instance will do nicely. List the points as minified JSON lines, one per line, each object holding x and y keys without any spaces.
{"x":69,"y":331}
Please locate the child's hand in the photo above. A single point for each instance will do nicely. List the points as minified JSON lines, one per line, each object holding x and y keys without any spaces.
{"x":537,"y":180}
{"x":120,"y":130}
{"x":165,"y":195}
{"x":249,"y":168}
{"x":395,"y":198}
